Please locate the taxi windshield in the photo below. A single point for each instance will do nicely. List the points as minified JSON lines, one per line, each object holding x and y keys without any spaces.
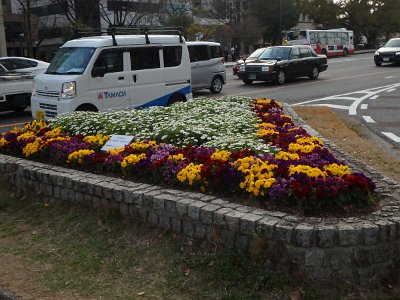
{"x":275,"y":53}
{"x":70,"y":60}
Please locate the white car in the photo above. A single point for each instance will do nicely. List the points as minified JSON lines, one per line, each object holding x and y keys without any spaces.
{"x":24,"y":64}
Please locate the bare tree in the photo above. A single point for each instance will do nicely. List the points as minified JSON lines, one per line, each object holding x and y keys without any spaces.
{"x":30,"y":22}
{"x":178,"y":13}
{"x":130,"y":12}
{"x":80,"y":13}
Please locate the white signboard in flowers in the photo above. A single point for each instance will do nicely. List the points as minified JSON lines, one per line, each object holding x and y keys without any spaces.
{"x":117,"y":141}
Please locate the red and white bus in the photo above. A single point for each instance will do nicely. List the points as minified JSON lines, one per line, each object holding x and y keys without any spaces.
{"x":331,"y":42}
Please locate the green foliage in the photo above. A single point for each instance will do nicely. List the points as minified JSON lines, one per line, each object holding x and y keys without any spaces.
{"x":368,"y":18}
{"x":275,"y":16}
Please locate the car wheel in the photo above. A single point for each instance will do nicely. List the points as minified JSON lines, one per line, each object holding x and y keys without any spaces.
{"x":281,"y":78}
{"x":378,"y":64}
{"x":315,"y":73}
{"x":176,"y":98}
{"x":19,"y":108}
{"x":216,"y":85}
{"x":87,"y":107}
{"x":247,"y":81}
{"x":345,"y":52}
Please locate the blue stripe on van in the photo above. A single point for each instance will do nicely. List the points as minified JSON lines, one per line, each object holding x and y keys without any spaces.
{"x":163,"y":101}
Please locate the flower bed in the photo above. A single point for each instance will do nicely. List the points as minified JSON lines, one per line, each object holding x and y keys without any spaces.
{"x":233,"y":145}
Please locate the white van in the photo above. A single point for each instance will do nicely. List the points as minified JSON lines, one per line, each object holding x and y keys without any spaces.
{"x":105,"y":72}
{"x":208,"y":66}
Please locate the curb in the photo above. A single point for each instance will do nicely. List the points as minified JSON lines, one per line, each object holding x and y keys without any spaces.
{"x":6,"y":296}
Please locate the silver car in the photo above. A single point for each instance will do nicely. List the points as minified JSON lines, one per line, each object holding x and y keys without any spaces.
{"x":24,"y":64}
{"x":208,"y":66}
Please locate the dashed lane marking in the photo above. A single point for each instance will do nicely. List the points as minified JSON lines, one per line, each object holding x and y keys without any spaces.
{"x":392,"y":136}
{"x":374,"y":97}
{"x":368,"y":119}
{"x":364,"y":106}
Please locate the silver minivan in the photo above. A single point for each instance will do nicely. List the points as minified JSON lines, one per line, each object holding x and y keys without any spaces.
{"x":208,"y":66}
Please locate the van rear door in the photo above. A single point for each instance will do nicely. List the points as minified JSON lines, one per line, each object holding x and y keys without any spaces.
{"x":201,"y":66}
{"x":146,"y":76}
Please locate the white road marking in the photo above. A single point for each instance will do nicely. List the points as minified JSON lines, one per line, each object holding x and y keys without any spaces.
{"x":374,"y":97}
{"x":391,"y":90}
{"x":345,"y":60}
{"x":331,"y":106}
{"x":364,"y":106}
{"x":366,"y":94}
{"x":387,"y":77}
{"x":392,"y":136}
{"x":368,"y":119}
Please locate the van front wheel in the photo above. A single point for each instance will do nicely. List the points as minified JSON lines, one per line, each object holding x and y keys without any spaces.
{"x":176,"y":98}
{"x":216,"y":85}
{"x":86,"y":107}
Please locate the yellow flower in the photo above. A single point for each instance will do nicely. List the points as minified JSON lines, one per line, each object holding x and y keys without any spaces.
{"x":287,"y":155}
{"x":98,"y":139}
{"x":3,"y":142}
{"x":309,"y":171}
{"x":177,"y":157}
{"x":337,"y":170}
{"x":32,"y":148}
{"x":220,"y":155}
{"x":26,"y":135}
{"x":258,"y":174}
{"x":34,"y":126}
{"x":78,"y":156}
{"x":132,"y":159}
{"x":54,"y":132}
{"x":115,"y":151}
{"x":190,"y":173}
{"x":140,"y":146}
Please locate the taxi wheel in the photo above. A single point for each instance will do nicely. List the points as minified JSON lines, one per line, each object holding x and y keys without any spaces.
{"x":315,"y":73}
{"x":281,"y":78}
{"x":378,"y":64}
{"x":216,"y":85}
{"x":247,"y":81}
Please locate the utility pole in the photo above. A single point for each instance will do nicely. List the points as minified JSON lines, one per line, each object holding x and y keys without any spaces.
{"x":3,"y":47}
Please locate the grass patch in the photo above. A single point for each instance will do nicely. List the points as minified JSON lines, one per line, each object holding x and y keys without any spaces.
{"x":75,"y":253}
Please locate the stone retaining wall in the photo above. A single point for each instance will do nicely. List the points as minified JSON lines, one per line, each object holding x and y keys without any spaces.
{"x":355,"y":249}
{"x":334,"y":249}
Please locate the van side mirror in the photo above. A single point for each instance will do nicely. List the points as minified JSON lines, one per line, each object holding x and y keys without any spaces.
{"x":98,"y":71}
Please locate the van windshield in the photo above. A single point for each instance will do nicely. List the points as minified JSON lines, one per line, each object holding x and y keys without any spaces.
{"x":70,"y":60}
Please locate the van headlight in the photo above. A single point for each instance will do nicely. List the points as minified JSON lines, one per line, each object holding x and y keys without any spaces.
{"x":68,"y":90}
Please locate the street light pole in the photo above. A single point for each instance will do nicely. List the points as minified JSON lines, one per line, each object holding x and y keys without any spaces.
{"x":280,"y":18}
{"x":3,"y":47}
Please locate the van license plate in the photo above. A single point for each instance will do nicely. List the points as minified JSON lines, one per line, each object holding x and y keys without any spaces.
{"x":386,"y":59}
{"x":40,"y":115}
{"x":252,"y":76}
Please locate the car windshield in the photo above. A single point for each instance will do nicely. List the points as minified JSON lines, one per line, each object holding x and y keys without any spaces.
{"x":275,"y":53}
{"x":70,"y":60}
{"x":393,"y":43}
{"x":257,"y":53}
